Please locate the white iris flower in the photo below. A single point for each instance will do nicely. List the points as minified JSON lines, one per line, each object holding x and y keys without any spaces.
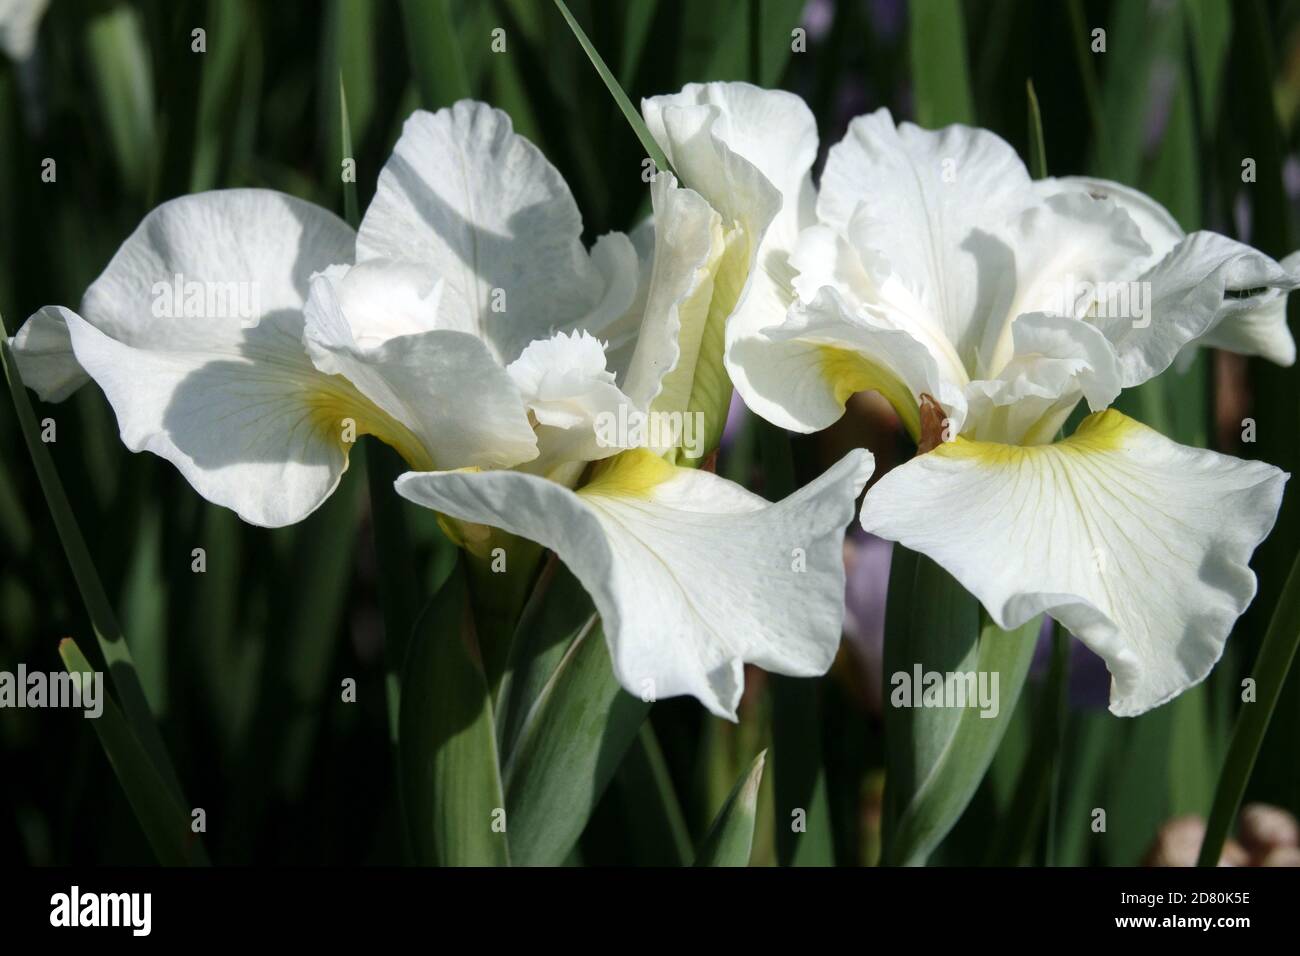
{"x":249,"y":337}
{"x":985,"y":307}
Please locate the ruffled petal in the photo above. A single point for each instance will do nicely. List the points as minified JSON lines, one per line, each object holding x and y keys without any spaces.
{"x":692,"y":575}
{"x":484,"y":210}
{"x":1138,"y":545}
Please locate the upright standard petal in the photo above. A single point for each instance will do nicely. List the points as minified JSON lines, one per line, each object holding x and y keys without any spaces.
{"x":674,"y":333}
{"x":931,"y":203}
{"x":749,"y":152}
{"x":194,"y":332}
{"x":1056,"y":362}
{"x":771,"y":130}
{"x":1159,"y":229}
{"x":1138,"y":545}
{"x":1073,"y":255}
{"x":692,"y":575}
{"x":484,"y":210}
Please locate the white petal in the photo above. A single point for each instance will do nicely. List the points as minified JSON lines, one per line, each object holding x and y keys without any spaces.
{"x":439,"y":397}
{"x":564,"y":383}
{"x":1069,"y":251}
{"x":826,"y":351}
{"x":19,"y":22}
{"x":1057,"y":361}
{"x":692,"y":575}
{"x":707,"y":127}
{"x":249,"y":422}
{"x":231,"y":256}
{"x":1159,"y":229}
{"x":688,"y":244}
{"x":194,"y":332}
{"x":1136,"y":544}
{"x":44,"y":355}
{"x":1199,"y":292}
{"x":485,"y":211}
{"x":928,"y":201}
{"x":384,"y":298}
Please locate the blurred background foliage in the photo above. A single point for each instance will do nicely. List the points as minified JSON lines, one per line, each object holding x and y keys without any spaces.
{"x":243,"y":664}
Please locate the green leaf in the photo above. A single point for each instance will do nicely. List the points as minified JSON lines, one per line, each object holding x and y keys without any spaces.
{"x":451,"y":780}
{"x":567,"y":724}
{"x":120,"y":63}
{"x":112,"y":642}
{"x":165,"y":821}
{"x":936,"y":756}
{"x":940,"y":75}
{"x":629,"y":111}
{"x":435,"y":53}
{"x":1276,"y":656}
{"x":731,"y":837}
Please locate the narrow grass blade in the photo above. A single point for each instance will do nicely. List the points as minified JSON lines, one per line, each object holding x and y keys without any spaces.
{"x":629,"y":111}
{"x":731,"y":837}
{"x":165,"y":821}
{"x":1270,"y":672}
{"x":351,"y":211}
{"x":112,"y":642}
{"x":451,"y":780}
{"x":940,"y":74}
{"x":1037,"y":148}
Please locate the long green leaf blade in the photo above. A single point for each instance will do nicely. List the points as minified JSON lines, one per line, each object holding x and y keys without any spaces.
{"x":937,"y":756}
{"x":112,"y":642}
{"x":165,"y":821}
{"x":451,"y":780}
{"x":1276,"y":656}
{"x":568,"y":726}
{"x":611,"y":83}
